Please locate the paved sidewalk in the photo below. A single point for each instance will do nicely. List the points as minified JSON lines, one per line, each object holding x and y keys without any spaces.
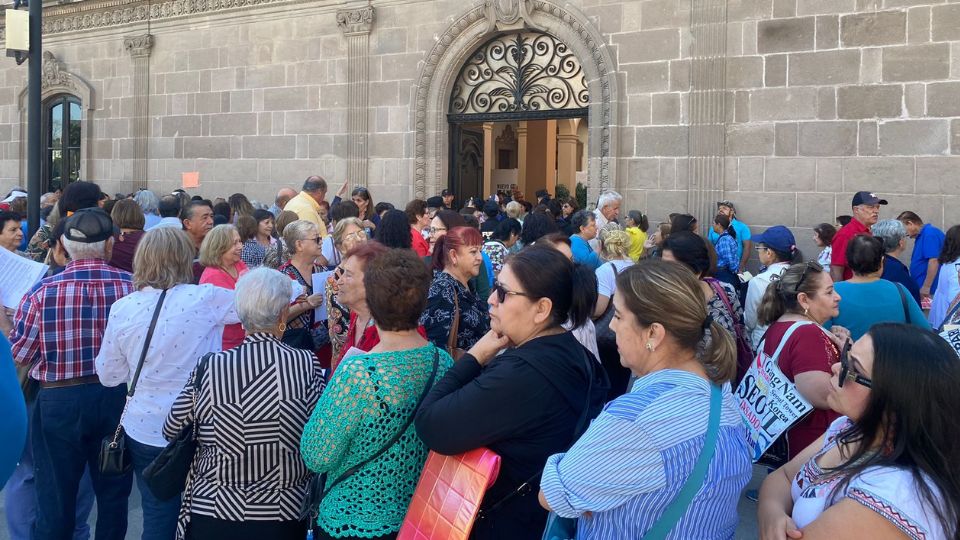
{"x":746,"y":531}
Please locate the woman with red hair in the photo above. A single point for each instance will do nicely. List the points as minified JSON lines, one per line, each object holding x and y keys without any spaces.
{"x":450,"y":303}
{"x":362,"y":334}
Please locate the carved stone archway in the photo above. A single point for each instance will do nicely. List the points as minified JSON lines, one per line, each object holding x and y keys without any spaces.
{"x":453,"y":48}
{"x":56,"y":80}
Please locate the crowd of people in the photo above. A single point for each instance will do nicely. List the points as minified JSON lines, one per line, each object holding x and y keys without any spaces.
{"x":596,"y":352}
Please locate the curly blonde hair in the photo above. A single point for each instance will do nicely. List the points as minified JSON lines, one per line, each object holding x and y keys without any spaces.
{"x":616,"y":244}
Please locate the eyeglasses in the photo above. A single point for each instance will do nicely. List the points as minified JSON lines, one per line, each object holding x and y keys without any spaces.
{"x":435,"y":230}
{"x":355,"y":235}
{"x":502,"y":292}
{"x":847,"y":373}
{"x":317,"y":239}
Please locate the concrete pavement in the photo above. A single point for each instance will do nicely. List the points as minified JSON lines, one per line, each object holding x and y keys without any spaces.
{"x":747,"y":530}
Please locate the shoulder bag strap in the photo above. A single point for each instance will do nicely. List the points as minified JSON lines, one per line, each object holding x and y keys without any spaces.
{"x":525,"y":487}
{"x":678,"y":507}
{"x":146,"y":344}
{"x":903,"y":301}
{"x":396,"y":437}
{"x":951,"y":311}
{"x":609,"y":309}
{"x":454,"y":323}
{"x":196,"y":383}
{"x":136,"y":373}
{"x":718,"y":290}
{"x":737,"y":323}
{"x":786,"y":337}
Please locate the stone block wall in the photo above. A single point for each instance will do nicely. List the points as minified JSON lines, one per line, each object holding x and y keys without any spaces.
{"x":820,"y":98}
{"x":824,"y":98}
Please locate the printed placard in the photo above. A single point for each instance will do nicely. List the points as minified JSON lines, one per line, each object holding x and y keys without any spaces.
{"x":768,"y":402}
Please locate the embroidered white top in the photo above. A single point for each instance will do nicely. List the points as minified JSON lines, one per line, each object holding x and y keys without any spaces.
{"x":892,"y":493}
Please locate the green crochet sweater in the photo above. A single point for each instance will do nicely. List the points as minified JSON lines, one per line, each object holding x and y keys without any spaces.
{"x":366,"y":403}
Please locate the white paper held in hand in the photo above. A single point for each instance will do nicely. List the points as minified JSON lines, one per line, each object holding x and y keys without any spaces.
{"x":320,"y":287}
{"x":17,"y":276}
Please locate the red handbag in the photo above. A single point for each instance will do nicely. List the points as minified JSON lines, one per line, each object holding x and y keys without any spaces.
{"x":447,"y":499}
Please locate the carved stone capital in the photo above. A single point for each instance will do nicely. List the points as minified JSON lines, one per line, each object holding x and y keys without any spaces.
{"x":138,"y":46}
{"x":356,"y":21}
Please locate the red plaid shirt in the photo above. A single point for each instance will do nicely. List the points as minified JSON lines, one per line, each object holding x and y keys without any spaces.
{"x":60,"y":323}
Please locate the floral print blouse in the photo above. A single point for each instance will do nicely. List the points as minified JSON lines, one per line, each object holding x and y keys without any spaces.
{"x":338,"y":316}
{"x":437,"y":319}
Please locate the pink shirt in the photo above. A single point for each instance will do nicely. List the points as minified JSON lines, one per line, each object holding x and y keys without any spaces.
{"x":232,"y":333}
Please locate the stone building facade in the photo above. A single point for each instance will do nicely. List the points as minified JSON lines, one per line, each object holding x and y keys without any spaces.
{"x":784,"y":106}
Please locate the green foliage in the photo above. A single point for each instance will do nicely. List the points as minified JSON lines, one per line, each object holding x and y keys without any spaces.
{"x":581,"y":195}
{"x":562,"y":192}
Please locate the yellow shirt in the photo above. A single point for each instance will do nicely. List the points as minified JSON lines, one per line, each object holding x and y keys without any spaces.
{"x":306,"y":208}
{"x":637,"y":239}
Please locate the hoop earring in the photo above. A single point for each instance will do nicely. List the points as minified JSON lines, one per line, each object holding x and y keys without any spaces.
{"x":282,"y":327}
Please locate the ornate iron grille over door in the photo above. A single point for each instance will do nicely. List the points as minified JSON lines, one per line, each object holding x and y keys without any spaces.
{"x":522,"y":76}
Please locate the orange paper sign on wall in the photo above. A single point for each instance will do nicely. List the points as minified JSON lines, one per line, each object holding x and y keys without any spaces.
{"x":191,"y":180}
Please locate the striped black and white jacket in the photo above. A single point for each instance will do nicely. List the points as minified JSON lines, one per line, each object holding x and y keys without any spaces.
{"x":254,"y":401}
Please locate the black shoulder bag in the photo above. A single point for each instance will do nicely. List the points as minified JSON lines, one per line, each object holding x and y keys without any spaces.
{"x":114,"y":458}
{"x":317,"y":489}
{"x":166,"y":476}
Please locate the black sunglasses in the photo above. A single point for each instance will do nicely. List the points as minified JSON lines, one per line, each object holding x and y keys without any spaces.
{"x":502,"y":292}
{"x":847,"y":373}
{"x":810,"y":265}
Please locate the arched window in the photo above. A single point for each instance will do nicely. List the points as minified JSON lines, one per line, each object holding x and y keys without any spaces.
{"x":61,"y":164}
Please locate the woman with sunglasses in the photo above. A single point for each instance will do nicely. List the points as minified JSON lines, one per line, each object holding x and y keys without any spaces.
{"x":801,"y":299}
{"x":303,"y":242}
{"x":525,"y":403}
{"x":887,"y":468}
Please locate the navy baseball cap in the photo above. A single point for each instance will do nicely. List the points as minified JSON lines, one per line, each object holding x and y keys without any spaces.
{"x":865,"y":197}
{"x":777,"y":238}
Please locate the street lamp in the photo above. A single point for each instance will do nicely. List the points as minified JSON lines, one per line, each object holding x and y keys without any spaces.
{"x":24,"y":39}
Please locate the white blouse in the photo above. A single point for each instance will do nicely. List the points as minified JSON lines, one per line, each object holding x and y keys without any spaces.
{"x":190,"y":325}
{"x":890,"y":492}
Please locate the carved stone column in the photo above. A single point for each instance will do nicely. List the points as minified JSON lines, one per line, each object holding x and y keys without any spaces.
{"x":567,"y":140}
{"x":139,"y":48}
{"x":488,"y":158}
{"x":356,"y":25}
{"x":708,"y":85}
